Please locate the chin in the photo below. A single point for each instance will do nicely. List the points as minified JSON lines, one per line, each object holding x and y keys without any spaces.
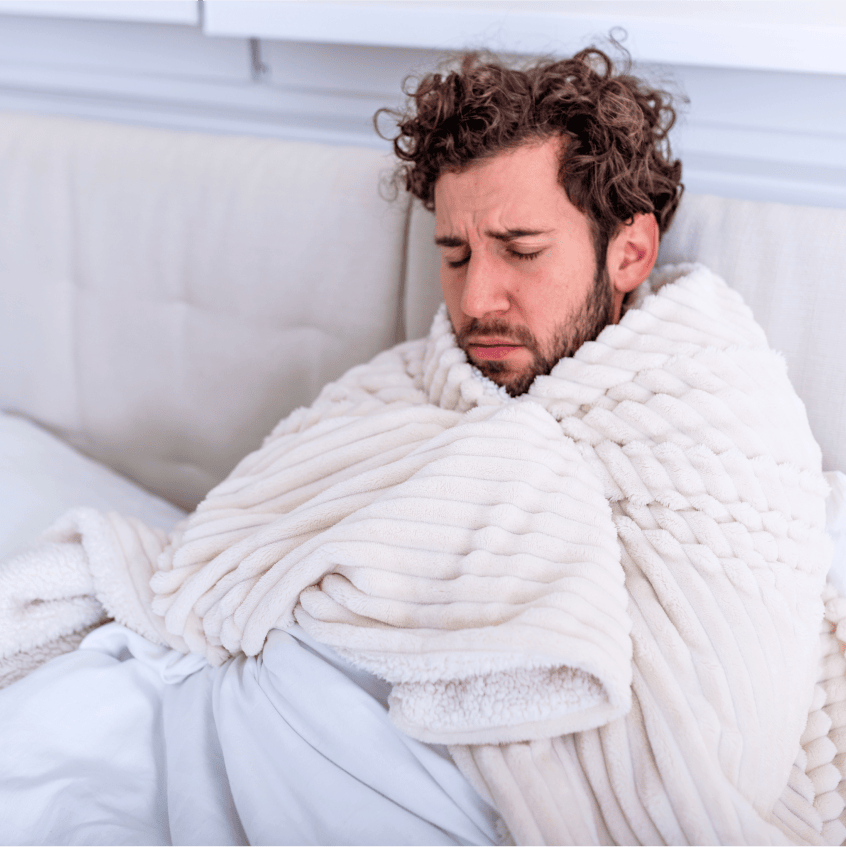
{"x":514,"y":383}
{"x":519,"y":385}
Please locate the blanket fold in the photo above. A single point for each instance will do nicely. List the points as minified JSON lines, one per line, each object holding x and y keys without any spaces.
{"x":605,"y":595}
{"x":479,"y":573}
{"x":89,"y":567}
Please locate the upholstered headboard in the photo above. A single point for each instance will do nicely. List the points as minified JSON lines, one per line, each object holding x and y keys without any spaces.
{"x":168,"y":296}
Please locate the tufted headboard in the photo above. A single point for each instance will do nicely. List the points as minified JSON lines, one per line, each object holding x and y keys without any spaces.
{"x":168,"y":296}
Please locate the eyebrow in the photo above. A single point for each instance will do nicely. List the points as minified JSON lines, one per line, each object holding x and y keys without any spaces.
{"x":507,"y":235}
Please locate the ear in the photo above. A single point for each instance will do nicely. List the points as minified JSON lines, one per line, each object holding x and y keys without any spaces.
{"x":631,"y":256}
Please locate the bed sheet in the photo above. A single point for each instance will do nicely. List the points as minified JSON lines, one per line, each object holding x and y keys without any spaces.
{"x":124,"y":742}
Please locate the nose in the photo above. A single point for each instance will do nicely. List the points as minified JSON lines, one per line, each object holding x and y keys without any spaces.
{"x":485,"y":287}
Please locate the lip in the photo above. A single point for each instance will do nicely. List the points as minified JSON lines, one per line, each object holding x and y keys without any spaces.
{"x":492,"y":348}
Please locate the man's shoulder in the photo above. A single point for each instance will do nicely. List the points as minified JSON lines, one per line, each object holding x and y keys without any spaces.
{"x":687,"y":364}
{"x":689,"y":296}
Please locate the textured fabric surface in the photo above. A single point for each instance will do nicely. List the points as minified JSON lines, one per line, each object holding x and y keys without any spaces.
{"x":168,"y":296}
{"x":818,"y":776}
{"x":456,"y":542}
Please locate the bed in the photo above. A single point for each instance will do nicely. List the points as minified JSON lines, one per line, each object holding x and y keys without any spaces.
{"x":170,"y":297}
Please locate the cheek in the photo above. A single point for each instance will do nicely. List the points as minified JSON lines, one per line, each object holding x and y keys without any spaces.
{"x":535,"y":298}
{"x":546,"y":303}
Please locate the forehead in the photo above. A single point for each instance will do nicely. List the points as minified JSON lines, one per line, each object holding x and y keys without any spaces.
{"x":515,"y":188}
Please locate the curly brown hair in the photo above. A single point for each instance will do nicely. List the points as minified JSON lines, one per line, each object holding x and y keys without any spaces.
{"x":615,"y":159}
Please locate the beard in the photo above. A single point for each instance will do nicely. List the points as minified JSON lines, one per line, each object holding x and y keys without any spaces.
{"x":593,"y":316}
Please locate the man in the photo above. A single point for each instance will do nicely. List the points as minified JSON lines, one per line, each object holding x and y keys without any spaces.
{"x":577,"y":530}
{"x":574,"y":159}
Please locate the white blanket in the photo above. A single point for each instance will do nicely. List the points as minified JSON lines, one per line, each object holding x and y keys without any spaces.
{"x":606,"y":594}
{"x":124,"y":742}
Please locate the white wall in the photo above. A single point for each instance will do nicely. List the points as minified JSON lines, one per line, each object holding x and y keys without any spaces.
{"x":766,"y":80}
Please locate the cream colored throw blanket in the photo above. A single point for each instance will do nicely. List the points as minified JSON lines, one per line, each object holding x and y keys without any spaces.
{"x":606,"y":595}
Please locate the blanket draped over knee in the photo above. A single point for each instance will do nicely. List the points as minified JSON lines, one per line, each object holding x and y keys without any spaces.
{"x":607,"y":595}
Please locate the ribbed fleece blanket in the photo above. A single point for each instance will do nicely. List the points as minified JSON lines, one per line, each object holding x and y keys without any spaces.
{"x":606,"y":595}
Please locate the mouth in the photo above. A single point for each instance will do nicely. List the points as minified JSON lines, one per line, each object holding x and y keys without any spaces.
{"x":492,"y":348}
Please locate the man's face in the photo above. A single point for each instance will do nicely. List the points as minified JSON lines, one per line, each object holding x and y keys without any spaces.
{"x":518,"y":269}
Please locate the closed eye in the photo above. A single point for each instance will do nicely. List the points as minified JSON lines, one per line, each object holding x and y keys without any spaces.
{"x":458,"y":263}
{"x":526,"y":256}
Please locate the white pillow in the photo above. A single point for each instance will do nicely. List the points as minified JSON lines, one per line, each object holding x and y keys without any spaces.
{"x":41,"y":477}
{"x":835,"y":525}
